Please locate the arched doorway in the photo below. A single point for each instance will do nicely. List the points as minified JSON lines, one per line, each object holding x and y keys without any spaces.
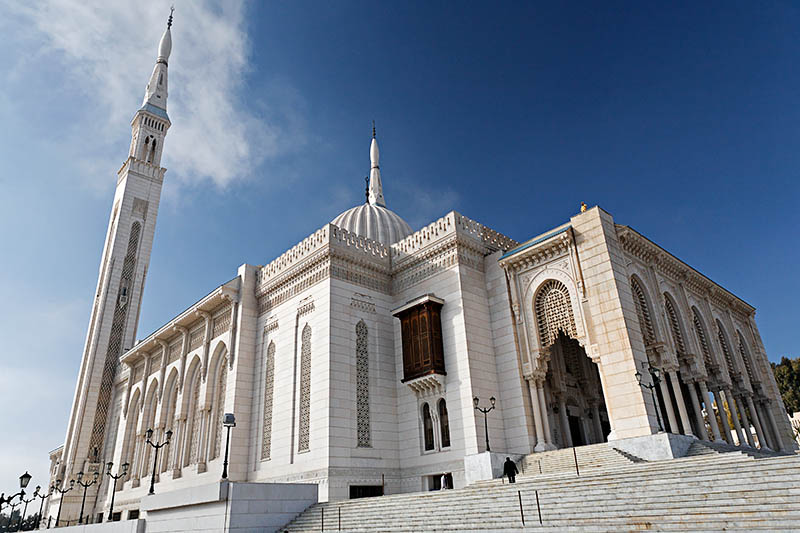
{"x":574,"y":403}
{"x":577,"y":405}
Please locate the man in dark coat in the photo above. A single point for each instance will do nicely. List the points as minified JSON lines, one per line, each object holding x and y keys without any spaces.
{"x":510,"y":470}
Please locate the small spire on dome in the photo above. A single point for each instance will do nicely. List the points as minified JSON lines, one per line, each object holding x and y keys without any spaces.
{"x":373,"y":129}
{"x":366,"y":188}
{"x":169,"y":20}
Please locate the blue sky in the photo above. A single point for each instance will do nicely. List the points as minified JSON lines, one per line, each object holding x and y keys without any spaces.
{"x":681,"y":121}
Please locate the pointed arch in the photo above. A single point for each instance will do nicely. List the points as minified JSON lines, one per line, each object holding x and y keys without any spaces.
{"x":364,"y":438}
{"x":129,"y":443}
{"x":643,"y":311}
{"x":427,"y":427}
{"x":675,"y":325}
{"x":553,"y":310}
{"x":444,"y":423}
{"x":303,"y":443}
{"x":702,"y":338}
{"x":148,"y":422}
{"x":193,"y":416}
{"x":218,"y":409}
{"x":744,"y":352}
{"x":269,"y":387}
{"x":733,"y":370}
{"x":168,"y":411}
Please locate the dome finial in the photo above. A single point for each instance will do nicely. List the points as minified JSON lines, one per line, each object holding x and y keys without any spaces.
{"x":169,"y":20}
{"x":373,"y":129}
{"x":375,"y":185}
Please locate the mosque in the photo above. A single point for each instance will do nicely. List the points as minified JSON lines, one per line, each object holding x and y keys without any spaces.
{"x":355,"y":360}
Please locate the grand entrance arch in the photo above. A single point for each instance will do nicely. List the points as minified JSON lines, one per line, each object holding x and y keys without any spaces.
{"x":569,"y":392}
{"x":577,"y":409}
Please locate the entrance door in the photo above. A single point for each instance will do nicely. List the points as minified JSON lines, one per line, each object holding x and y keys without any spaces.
{"x":575,"y":431}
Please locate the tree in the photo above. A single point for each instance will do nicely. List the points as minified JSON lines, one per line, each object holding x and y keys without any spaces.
{"x":787,"y":374}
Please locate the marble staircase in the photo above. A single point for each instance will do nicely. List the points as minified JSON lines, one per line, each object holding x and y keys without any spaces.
{"x":716,"y":491}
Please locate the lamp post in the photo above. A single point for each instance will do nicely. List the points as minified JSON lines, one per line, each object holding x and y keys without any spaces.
{"x":24,"y":479}
{"x":228,"y":421}
{"x":656,"y":378}
{"x":485,"y":410}
{"x":25,"y":508}
{"x":62,"y":492}
{"x":124,"y":473}
{"x":42,"y":497}
{"x":85,"y":487}
{"x":157,"y":446}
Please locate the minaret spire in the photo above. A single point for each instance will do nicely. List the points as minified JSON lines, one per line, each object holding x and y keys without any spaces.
{"x":375,"y":185}
{"x":156,"y":92}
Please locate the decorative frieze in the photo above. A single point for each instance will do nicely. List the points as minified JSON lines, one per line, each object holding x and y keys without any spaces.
{"x":361,"y":303}
{"x":222,"y":321}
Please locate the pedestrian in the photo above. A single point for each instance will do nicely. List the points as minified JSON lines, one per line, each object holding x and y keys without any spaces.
{"x":510,"y":470}
{"x":444,"y":482}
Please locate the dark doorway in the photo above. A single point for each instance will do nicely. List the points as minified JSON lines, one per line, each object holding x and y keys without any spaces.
{"x":365,"y":491}
{"x":435,"y":481}
{"x":575,"y":431}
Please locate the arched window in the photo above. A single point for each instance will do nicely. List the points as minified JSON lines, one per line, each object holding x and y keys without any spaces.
{"x":444,"y":423}
{"x":726,"y":351}
{"x":152,"y":155}
{"x":219,"y":405}
{"x":674,"y":326}
{"x":427,"y":427}
{"x":702,"y":337}
{"x":362,"y":387}
{"x":553,"y":312}
{"x":269,"y":386}
{"x":643,"y":312}
{"x":149,"y":423}
{"x":305,"y":390}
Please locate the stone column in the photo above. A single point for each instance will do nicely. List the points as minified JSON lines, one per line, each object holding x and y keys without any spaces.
{"x":537,"y":417}
{"x":598,"y":427}
{"x":746,"y":422}
{"x":712,"y":417}
{"x":548,"y":435}
{"x":676,"y":386}
{"x":673,"y":422}
{"x":723,"y":416}
{"x":697,"y":412}
{"x":778,"y":440}
{"x":735,"y":415}
{"x":762,"y":441}
{"x":562,"y":409}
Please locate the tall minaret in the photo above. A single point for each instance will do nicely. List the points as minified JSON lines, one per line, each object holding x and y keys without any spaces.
{"x":126,"y":255}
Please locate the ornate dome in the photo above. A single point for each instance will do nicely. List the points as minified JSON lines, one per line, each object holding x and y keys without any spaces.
{"x":374,"y":222}
{"x":373,"y":219}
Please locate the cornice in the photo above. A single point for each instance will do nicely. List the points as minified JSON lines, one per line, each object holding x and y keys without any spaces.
{"x":551,"y":248}
{"x":671,"y":267}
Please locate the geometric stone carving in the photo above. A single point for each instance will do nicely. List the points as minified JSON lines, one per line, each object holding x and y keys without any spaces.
{"x":269,"y":385}
{"x":305,"y":390}
{"x":362,"y":386}
{"x":554,"y":312}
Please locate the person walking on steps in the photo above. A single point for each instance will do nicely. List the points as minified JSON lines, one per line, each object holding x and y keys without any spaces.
{"x":510,"y":470}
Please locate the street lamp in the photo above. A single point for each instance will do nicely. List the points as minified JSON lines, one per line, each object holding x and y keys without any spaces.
{"x":157,"y":446}
{"x":124,"y":473}
{"x":42,"y":497}
{"x":484,"y":410}
{"x":85,"y":487}
{"x":62,"y":492}
{"x":656,"y":378}
{"x":25,"y":509}
{"x":24,"y":479}
{"x":228,"y":421}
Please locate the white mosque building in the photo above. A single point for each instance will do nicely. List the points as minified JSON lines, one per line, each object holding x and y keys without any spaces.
{"x":352,"y":360}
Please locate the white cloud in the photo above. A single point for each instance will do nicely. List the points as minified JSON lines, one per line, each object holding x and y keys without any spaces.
{"x":108,"y":50}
